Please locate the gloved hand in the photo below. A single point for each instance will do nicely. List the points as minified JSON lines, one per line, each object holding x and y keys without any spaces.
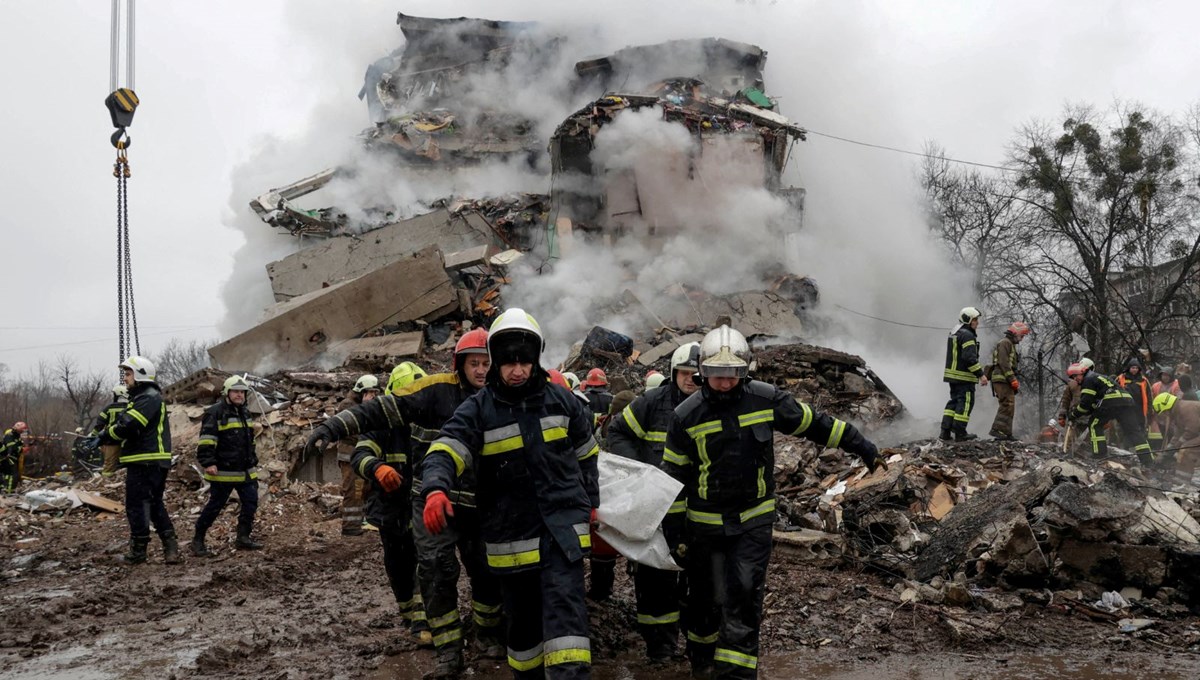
{"x":1015,"y":385}
{"x":437,"y":508}
{"x":679,"y":553}
{"x":877,"y":464}
{"x":388,"y":478}
{"x":320,"y":437}
{"x":592,"y":521}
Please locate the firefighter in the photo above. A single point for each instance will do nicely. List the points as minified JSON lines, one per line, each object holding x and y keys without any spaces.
{"x":962,"y":371}
{"x":1180,"y":421}
{"x":639,"y":432}
{"x":423,"y":408}
{"x":1133,"y":381}
{"x":531,"y":448}
{"x":1101,"y":400}
{"x":403,"y":375}
{"x":108,"y":416}
{"x":1166,"y":383}
{"x":1004,"y":379}
{"x":354,"y":491}
{"x":654,"y":379}
{"x":720,"y":445}
{"x":595,"y":388}
{"x":143,"y":432}
{"x":11,"y":448}
{"x":227,"y":455}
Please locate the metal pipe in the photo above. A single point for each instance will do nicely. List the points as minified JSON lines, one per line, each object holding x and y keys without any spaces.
{"x":114,"y":43}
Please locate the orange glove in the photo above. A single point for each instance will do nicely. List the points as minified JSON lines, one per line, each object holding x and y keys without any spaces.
{"x":1015,"y":385}
{"x":388,"y":478}
{"x":437,"y":508}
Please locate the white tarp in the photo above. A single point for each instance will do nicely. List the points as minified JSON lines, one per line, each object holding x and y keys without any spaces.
{"x":634,"y":498}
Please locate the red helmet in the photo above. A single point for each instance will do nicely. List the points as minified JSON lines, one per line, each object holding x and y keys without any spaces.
{"x":20,"y":427}
{"x":1076,"y":369}
{"x":596,"y":378}
{"x":557,"y":378}
{"x":1019,"y":329}
{"x":472,"y":342}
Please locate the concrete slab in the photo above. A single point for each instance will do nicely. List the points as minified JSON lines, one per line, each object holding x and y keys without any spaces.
{"x":414,"y":287}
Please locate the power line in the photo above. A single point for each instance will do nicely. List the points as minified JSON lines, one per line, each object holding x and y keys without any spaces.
{"x":92,"y":342}
{"x":901,"y":323}
{"x":911,"y":153}
{"x":94,"y":328}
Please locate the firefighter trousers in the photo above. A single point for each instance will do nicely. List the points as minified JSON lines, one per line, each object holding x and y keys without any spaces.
{"x":1131,"y":424}
{"x":144,"y":488}
{"x":958,"y":410}
{"x":8,"y":475}
{"x":353,"y":500}
{"x":604,"y":575}
{"x":218,"y":496}
{"x":111,"y":453}
{"x":400,"y":562}
{"x":726,"y":582}
{"x":1007,"y":398}
{"x":548,"y":618}
{"x":437,"y":573}
{"x":657,"y":592}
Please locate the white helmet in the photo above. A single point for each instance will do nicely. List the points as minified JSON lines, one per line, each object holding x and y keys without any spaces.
{"x":969,"y":314}
{"x":121,"y":393}
{"x":655,"y":380}
{"x":515,"y":335}
{"x":686,"y":357}
{"x":724,"y":352}
{"x":365,"y":383}
{"x":143,"y":368}
{"x":1087,"y":363}
{"x":572,"y":380}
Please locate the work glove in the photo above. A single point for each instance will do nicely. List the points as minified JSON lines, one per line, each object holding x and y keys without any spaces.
{"x":1015,"y":385}
{"x":320,"y":437}
{"x":388,"y":478}
{"x":679,"y":553}
{"x":437,"y":508}
{"x":877,"y":464}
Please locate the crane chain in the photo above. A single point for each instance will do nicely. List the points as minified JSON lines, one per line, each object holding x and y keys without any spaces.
{"x":127,"y":330}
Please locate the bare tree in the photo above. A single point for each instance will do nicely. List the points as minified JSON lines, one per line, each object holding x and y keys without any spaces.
{"x":179,"y":359}
{"x":85,"y":391}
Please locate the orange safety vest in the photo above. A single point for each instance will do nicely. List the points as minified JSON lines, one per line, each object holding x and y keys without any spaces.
{"x":1123,"y":381}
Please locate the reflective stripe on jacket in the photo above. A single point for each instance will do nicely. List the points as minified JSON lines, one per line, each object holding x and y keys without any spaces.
{"x":227,"y":441}
{"x":639,"y":431}
{"x":962,"y":357}
{"x":143,"y":429}
{"x":1004,"y":360}
{"x":1099,"y":391}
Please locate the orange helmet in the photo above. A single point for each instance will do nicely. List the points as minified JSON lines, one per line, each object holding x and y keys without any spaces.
{"x":596,"y":378}
{"x":20,"y":427}
{"x":1019,"y":329}
{"x":557,"y":378}
{"x":471,"y":342}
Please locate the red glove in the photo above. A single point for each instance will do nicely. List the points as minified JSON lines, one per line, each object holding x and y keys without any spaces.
{"x":437,"y":508}
{"x":600,"y":547}
{"x":388,"y":478}
{"x":1015,"y":385}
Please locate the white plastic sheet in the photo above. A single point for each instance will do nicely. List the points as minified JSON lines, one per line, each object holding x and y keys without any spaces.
{"x":634,"y":498}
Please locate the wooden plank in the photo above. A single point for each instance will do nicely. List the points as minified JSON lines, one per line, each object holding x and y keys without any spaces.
{"x":98,"y":502}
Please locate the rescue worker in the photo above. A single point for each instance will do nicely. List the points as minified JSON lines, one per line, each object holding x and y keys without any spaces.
{"x":639,"y":432}
{"x":143,"y":432}
{"x":720,"y":445}
{"x":654,"y":379}
{"x":1180,"y":421}
{"x":531,"y":448}
{"x":962,"y":371}
{"x":227,"y":455}
{"x":108,"y":416}
{"x":1135,"y":383}
{"x":595,"y":388}
{"x":354,"y":491}
{"x":572,"y":380}
{"x":424,"y":407}
{"x":403,"y":375}
{"x":1166,"y":383}
{"x":1005,"y":385}
{"x":11,"y":448}
{"x":1101,"y":400}
{"x":1187,"y":389}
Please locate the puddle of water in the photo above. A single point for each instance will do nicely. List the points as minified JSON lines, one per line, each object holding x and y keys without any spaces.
{"x":65,"y":664}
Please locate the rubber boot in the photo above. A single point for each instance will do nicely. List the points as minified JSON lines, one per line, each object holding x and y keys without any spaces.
{"x":171,"y":548}
{"x":137,"y":550}
{"x":490,"y":647}
{"x":944,"y":435}
{"x":199,"y":549}
{"x":244,"y":542}
{"x":449,"y":664}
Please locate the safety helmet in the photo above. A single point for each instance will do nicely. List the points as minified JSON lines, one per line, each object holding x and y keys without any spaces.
{"x":557,"y":378}
{"x":1164,"y":402}
{"x":120,"y":392}
{"x":572,"y":380}
{"x":686,"y":357}
{"x":1076,"y":369}
{"x":403,"y":375}
{"x":655,"y":380}
{"x":1018,"y":328}
{"x":20,"y":427}
{"x":143,"y":368}
{"x":1087,"y":363}
{"x":472,"y":342}
{"x":515,"y":337}
{"x":232,"y":383}
{"x":366,"y":383}
{"x":596,"y":378}
{"x":969,"y":314}
{"x":724,"y":352}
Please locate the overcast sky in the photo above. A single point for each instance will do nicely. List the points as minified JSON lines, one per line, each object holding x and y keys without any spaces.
{"x":220,"y":79}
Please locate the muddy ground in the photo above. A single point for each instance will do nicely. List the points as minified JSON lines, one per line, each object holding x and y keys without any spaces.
{"x":315,"y":604}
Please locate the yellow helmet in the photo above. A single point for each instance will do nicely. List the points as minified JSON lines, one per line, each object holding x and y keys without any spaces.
{"x":1164,"y":402}
{"x":403,"y":375}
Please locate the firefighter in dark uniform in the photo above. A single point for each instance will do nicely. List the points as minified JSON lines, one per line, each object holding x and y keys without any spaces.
{"x":144,"y":434}
{"x":108,"y":416}
{"x":422,"y":408}
{"x":11,"y":447}
{"x":720,"y":445}
{"x":1101,"y":400}
{"x":595,"y":388}
{"x":1135,"y":383}
{"x":228,"y":459}
{"x":639,"y":432}
{"x":962,"y":371}
{"x":1005,"y":385}
{"x":533,"y":452}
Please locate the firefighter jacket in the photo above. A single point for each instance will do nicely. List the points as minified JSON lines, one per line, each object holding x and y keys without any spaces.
{"x":385,"y":447}
{"x":142,"y":429}
{"x":1070,"y":399}
{"x":227,"y":441}
{"x":10,"y":446}
{"x":1100,"y":393}
{"x":108,"y":416}
{"x":723,"y":450}
{"x":1181,"y":424}
{"x":962,"y":357}
{"x":1139,"y":388}
{"x":419,"y":411}
{"x":599,"y":399}
{"x":640,"y":430}
{"x":1004,"y":360}
{"x":534,"y":457}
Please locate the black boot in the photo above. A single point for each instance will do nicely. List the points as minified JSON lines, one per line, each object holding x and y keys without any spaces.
{"x":944,"y":435}
{"x":137,"y":550}
{"x":449,"y":664}
{"x":244,"y":542}
{"x":171,"y":548}
{"x":199,"y":549}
